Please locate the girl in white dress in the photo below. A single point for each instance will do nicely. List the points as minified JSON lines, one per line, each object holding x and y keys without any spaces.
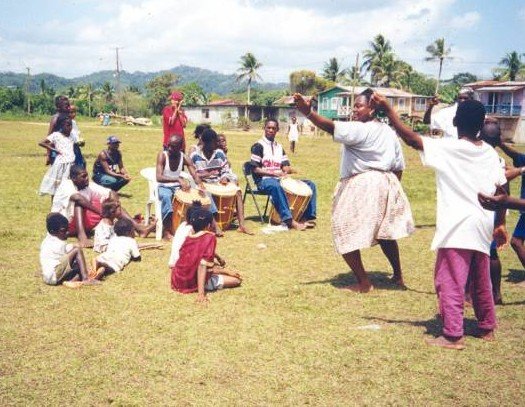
{"x":293,"y":133}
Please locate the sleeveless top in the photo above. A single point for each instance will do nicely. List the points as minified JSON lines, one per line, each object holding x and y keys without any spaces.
{"x":167,"y":172}
{"x":99,"y":169}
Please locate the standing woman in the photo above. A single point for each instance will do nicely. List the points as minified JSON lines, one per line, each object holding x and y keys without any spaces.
{"x":62,"y":143}
{"x":174,"y":120}
{"x":369,"y":205}
{"x":293,"y":133}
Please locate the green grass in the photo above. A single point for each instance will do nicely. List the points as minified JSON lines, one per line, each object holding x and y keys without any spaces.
{"x":288,"y":336}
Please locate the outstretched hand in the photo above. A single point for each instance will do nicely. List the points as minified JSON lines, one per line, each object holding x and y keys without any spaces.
{"x":302,"y":104}
{"x":494,"y":202}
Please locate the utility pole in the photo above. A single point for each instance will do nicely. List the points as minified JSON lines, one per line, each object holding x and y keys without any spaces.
{"x":28,"y":79}
{"x":117,"y":76}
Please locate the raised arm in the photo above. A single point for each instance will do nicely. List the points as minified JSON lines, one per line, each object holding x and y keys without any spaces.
{"x":305,"y":108}
{"x":428,"y":113}
{"x":410,"y":137}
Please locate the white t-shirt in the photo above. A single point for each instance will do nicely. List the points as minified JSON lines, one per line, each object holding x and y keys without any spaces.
{"x":120,"y":251}
{"x":443,"y":120}
{"x":52,"y":250}
{"x":463,"y":169}
{"x":62,"y":202}
{"x":181,"y":234}
{"x":103,"y":232}
{"x":368,"y":146}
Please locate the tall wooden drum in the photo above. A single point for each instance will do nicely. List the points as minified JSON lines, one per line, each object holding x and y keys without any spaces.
{"x":224,"y":198}
{"x":182,"y":201}
{"x":298,"y":194}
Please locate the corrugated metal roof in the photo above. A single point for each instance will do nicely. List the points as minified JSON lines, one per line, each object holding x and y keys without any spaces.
{"x":500,"y":88}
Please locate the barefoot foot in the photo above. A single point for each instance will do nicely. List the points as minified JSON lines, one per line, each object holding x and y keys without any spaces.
{"x":359,"y":288}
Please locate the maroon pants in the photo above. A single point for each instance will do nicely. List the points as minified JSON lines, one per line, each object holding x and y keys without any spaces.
{"x":453,"y":267}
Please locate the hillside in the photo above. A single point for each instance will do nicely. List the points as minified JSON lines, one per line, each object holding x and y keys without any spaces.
{"x":210,"y":81}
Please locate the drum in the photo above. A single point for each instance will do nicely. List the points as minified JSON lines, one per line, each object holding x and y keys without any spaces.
{"x":298,"y":194}
{"x":224,"y":198}
{"x":182,"y":201}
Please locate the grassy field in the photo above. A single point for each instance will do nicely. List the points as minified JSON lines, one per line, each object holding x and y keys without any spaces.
{"x":288,"y":336}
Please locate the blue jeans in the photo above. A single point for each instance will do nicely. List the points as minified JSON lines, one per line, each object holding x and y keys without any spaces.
{"x":272,"y":187}
{"x":109,"y":181}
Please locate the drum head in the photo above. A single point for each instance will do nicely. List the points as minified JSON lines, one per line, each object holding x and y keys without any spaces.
{"x":230,"y":189}
{"x":190,"y":196}
{"x":296,"y":186}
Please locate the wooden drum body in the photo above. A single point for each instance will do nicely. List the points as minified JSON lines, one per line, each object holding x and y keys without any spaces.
{"x":224,"y":198}
{"x":298,"y":194}
{"x":182,"y":201}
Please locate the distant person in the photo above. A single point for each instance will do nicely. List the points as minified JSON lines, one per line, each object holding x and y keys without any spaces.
{"x":442,"y":120}
{"x":108,"y":169}
{"x":293,"y":133}
{"x":62,"y":106}
{"x":60,"y":142}
{"x":61,"y":262}
{"x":174,"y":120}
{"x":464,"y":230}
{"x":195,"y":269}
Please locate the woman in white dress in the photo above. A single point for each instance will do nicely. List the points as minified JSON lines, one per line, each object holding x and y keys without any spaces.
{"x":293,"y":133}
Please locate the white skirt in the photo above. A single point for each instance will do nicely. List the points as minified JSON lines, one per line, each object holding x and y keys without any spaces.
{"x":53,"y":177}
{"x":369,"y":207}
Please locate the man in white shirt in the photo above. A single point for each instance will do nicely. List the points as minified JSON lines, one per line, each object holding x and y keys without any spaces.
{"x":443,"y":119}
{"x":464,"y":230}
{"x":80,"y":202}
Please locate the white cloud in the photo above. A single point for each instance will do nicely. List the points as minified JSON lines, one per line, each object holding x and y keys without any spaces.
{"x":156,"y":35}
{"x":467,"y":20}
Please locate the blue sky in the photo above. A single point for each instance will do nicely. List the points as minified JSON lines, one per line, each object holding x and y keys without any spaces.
{"x":79,"y":37}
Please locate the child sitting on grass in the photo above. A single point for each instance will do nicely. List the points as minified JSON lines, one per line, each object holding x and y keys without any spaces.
{"x":61,"y":263}
{"x":464,"y":230}
{"x":104,"y":231}
{"x":121,"y":249}
{"x":195,"y":270}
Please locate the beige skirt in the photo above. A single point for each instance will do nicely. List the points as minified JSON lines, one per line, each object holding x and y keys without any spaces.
{"x":369,"y":207}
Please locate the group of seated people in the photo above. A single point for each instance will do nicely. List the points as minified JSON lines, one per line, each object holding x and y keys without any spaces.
{"x":91,"y":210}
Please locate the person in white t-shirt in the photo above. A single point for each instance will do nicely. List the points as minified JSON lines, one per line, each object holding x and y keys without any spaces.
{"x":104,"y":231}
{"x":464,"y":229}
{"x":369,"y":205}
{"x":121,"y":250}
{"x":443,"y":119}
{"x":61,"y":262}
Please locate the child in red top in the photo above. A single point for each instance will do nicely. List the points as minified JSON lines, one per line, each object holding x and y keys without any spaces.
{"x":195,"y":269}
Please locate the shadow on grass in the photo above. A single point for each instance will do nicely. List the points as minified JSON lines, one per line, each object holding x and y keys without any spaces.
{"x":516,"y":276}
{"x":433,"y":326}
{"x":426,"y":226}
{"x":124,"y":195}
{"x":380,"y":280}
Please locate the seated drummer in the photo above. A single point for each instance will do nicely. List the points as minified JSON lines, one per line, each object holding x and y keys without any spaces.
{"x":270,"y":163}
{"x":170,"y":164}
{"x":209,"y":154}
{"x":108,"y":169}
{"x":80,"y":202}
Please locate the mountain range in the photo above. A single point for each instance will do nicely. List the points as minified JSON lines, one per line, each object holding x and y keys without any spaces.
{"x":210,"y":81}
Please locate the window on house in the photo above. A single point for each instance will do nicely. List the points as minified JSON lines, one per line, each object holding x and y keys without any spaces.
{"x":325,"y":104}
{"x":205,"y":113}
{"x":420,"y":104}
{"x":401,"y":103}
{"x":335,"y":102}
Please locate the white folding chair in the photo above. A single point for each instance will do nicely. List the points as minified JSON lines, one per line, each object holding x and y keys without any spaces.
{"x":150,"y":173}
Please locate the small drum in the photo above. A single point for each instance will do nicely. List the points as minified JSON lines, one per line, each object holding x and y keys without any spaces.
{"x":224,"y":198}
{"x":298,"y":194}
{"x":182,"y":201}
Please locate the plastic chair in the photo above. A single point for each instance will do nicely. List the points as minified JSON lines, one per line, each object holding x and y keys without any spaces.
{"x":150,"y":173}
{"x":251,"y":188}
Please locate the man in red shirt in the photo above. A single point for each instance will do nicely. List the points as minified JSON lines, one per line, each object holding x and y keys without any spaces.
{"x":174,"y":120}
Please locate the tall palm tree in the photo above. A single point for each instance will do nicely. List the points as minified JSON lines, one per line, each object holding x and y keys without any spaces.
{"x":107,"y":92}
{"x":512,"y":66}
{"x":438,"y":52}
{"x":379,"y":48}
{"x":390,"y":72}
{"x":248,"y":72}
{"x":332,"y":70}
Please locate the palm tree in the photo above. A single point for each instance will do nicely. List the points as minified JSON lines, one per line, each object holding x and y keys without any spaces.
{"x":332,"y":70}
{"x":107,"y":92}
{"x":512,"y":66}
{"x":390,"y":72}
{"x":248,"y":72}
{"x":438,"y":52}
{"x":380,"y":48}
